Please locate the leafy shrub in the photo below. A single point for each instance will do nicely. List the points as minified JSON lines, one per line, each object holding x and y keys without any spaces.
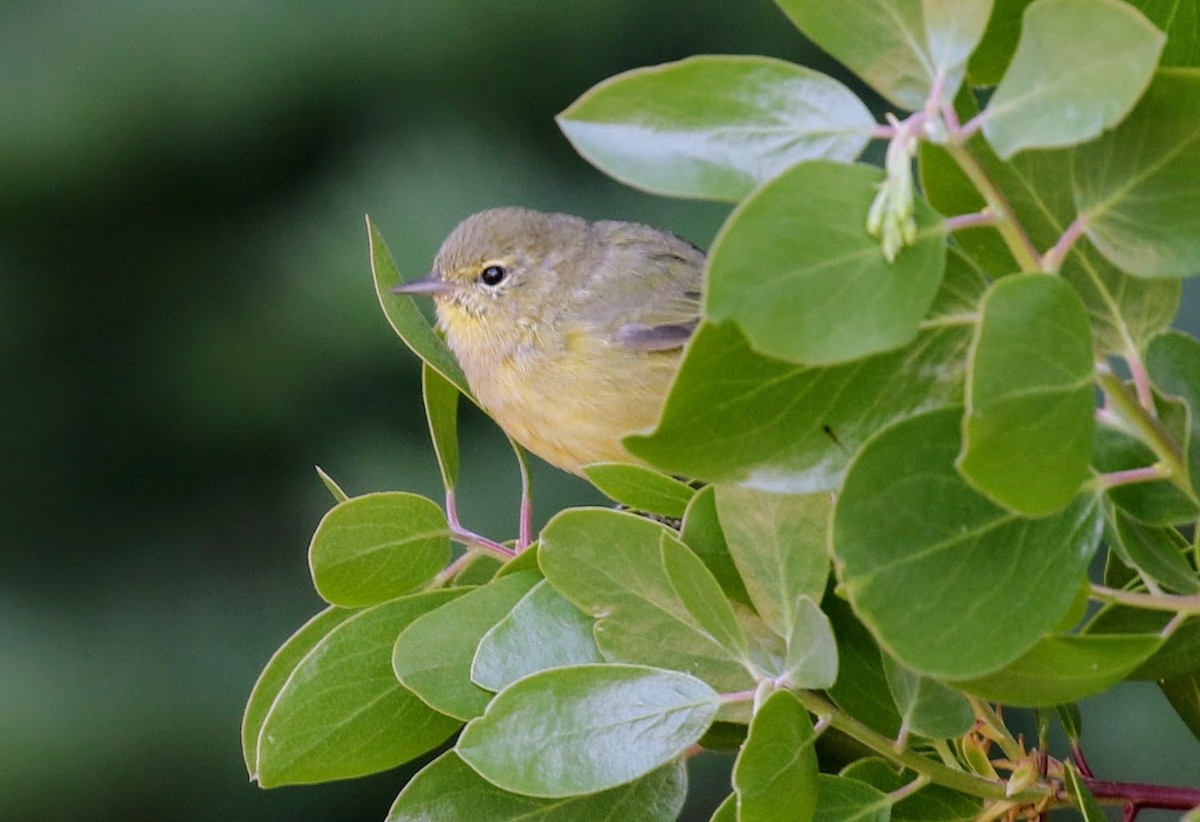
{"x":894,"y":387}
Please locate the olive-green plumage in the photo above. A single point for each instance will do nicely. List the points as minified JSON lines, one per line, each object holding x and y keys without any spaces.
{"x":569,"y":332}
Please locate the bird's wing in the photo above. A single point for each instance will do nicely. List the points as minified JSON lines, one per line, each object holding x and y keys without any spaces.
{"x":651,"y":283}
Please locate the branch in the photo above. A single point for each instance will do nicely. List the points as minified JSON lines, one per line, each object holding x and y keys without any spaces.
{"x":1010,"y":229}
{"x":1052,"y":260}
{"x":922,"y":765}
{"x":1176,"y":604}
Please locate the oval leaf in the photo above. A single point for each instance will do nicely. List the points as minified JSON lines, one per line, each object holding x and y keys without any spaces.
{"x":376,"y":547}
{"x":542,"y":631}
{"x":570,"y":731}
{"x":341,"y":713}
{"x":1079,"y":67}
{"x":1027,"y":435}
{"x":640,"y":488}
{"x":448,"y":790}
{"x":812,"y":655}
{"x":927,"y":707}
{"x":607,"y":563}
{"x":1138,"y":186}
{"x":736,"y":416}
{"x":775,"y":775}
{"x":700,"y":593}
{"x":714,"y":126}
{"x":897,"y":46}
{"x":919,"y":551}
{"x":778,"y":542}
{"x":840,"y":799}
{"x":815,"y":287}
{"x":1065,"y":669}
{"x":275,"y":675}
{"x":432,"y":656}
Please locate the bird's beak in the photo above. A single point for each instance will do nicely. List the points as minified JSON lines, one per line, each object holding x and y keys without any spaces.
{"x":430,"y":285}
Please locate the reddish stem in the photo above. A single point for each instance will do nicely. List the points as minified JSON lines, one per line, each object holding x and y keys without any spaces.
{"x":1166,"y":797}
{"x":1081,"y":761}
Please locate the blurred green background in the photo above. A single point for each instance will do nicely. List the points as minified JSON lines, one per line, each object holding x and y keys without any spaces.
{"x":187,"y":326}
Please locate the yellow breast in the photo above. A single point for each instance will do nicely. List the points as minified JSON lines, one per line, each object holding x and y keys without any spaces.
{"x":571,"y":403}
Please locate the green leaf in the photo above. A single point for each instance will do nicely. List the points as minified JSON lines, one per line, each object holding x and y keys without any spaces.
{"x":275,"y":675}
{"x":1159,"y":552}
{"x":700,"y":593}
{"x":1071,"y":720}
{"x":736,"y":416}
{"x":1159,"y":502}
{"x":726,"y":811}
{"x":432,"y":656}
{"x":607,"y":564}
{"x":953,"y":29}
{"x":847,"y":800}
{"x":1178,"y":656}
{"x":640,"y":488}
{"x":918,"y":553}
{"x":441,"y":410}
{"x":701,"y":531}
{"x":812,"y":656}
{"x":1173,"y":359}
{"x":775,"y":775}
{"x":861,"y":689}
{"x":1027,"y":435}
{"x":814,"y":287}
{"x":927,"y":707}
{"x":407,"y":320}
{"x":341,"y":713}
{"x":542,"y":631}
{"x":1079,"y":67}
{"x":1181,"y":22}
{"x":1184,"y":695}
{"x":932,"y":803}
{"x":1138,"y":186}
{"x":334,"y":489}
{"x":1125,"y":311}
{"x":1062,"y":669}
{"x":376,"y":547}
{"x":990,"y":60}
{"x":448,"y":790}
{"x":897,"y":47}
{"x":778,"y":542}
{"x":1081,"y":797}
{"x":714,"y":126}
{"x":570,"y":731}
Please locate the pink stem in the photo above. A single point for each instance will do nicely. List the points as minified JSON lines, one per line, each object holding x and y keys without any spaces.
{"x":975,"y":220}
{"x":1052,"y":260}
{"x":1130,"y":476}
{"x":1166,"y":797}
{"x":1141,"y":381}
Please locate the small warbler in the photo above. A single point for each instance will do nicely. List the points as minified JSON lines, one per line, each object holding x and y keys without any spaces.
{"x":569,"y":332}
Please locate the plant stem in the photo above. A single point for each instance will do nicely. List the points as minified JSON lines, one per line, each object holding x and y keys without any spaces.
{"x":1166,"y":797}
{"x":905,"y":791}
{"x":1130,"y":476}
{"x":1141,"y":379}
{"x":935,"y":771}
{"x":1010,"y":229}
{"x":1168,"y":602}
{"x":1052,"y":260}
{"x":973,"y":220}
{"x":1148,"y":428}
{"x":1006,"y":742}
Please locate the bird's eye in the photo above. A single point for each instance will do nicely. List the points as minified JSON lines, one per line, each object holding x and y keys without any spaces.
{"x":493,"y":275}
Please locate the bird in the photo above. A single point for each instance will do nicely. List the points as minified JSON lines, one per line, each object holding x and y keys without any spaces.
{"x":569,"y":332}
